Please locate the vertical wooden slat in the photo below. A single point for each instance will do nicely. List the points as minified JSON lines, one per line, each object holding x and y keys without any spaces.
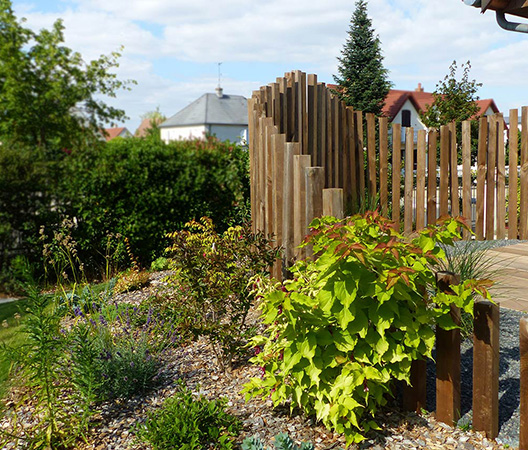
{"x":523,"y":218}
{"x":360,"y":145}
{"x":371,"y":159}
{"x":315,"y":181}
{"x":303,"y":120}
{"x":481,"y":177}
{"x":490,"y":179}
{"x":448,"y":361}
{"x":501,"y":179}
{"x":444,"y":170}
{"x":396,"y":174}
{"x":466,"y":174}
{"x":513,"y":142}
{"x":486,"y":368}
{"x":330,"y":118}
{"x":276,"y":106}
{"x":288,"y":214}
{"x":453,"y":163}
{"x":431,"y":178}
{"x":290,"y":108}
{"x":333,"y":202}
{"x":336,"y":114}
{"x":321,"y":125}
{"x":312,"y":117}
{"x":384,"y":165}
{"x":278,"y":144}
{"x":261,"y":224}
{"x":270,"y":130}
{"x":345,"y":156}
{"x":252,"y":151}
{"x":352,"y":153}
{"x":300,"y":163}
{"x":523,"y":350}
{"x":409,"y":181}
{"x":420,"y":181}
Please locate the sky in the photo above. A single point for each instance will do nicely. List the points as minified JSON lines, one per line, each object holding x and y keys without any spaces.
{"x":172,"y":48}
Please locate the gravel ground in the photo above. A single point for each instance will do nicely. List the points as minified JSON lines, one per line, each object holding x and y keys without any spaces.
{"x":509,"y":368}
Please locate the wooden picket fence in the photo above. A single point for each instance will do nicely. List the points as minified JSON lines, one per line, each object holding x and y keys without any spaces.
{"x":309,"y":156}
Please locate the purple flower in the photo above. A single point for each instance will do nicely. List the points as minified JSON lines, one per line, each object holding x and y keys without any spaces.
{"x":103,"y":320}
{"x":77,"y":311}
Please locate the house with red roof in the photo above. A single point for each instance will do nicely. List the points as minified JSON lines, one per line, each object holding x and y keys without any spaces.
{"x":112,"y":133}
{"x":404,"y":107}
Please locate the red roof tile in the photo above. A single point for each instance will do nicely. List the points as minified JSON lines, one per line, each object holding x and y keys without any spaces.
{"x":112,"y":133}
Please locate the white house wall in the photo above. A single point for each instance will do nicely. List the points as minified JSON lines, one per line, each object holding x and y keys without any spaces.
{"x":182,"y":133}
{"x":415,"y":118}
{"x":234,"y":133}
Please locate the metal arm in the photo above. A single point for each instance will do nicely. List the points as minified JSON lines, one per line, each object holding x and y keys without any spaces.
{"x":510,"y":26}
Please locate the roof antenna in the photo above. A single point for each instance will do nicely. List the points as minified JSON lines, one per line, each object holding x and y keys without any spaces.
{"x":219,"y":90}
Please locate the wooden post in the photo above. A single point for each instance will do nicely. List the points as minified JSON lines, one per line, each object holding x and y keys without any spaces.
{"x":315,"y":182}
{"x":371,"y":159}
{"x":420,"y":181}
{"x":513,"y":141}
{"x":466,"y":174}
{"x":444,"y":170}
{"x":523,"y":349}
{"x":384,"y":165}
{"x":396,"y":174}
{"x":333,"y":202}
{"x":352,"y":153}
{"x":448,"y":360}
{"x":360,"y":145}
{"x":321,"y":125}
{"x":431,"y":178}
{"x":409,"y":181}
{"x":481,"y":176}
{"x":287,"y":205}
{"x":415,"y":396}
{"x":486,"y":369}
{"x":278,"y":144}
{"x":312,"y":117}
{"x":338,"y":178}
{"x":453,"y":163}
{"x":252,"y":114}
{"x":491,"y":178}
{"x":300,"y":162}
{"x":523,"y":218}
{"x":501,"y":178}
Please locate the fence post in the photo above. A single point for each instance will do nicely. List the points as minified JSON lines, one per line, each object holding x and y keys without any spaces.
{"x":486,"y":369}
{"x":396,"y":174}
{"x":481,"y":176}
{"x":466,"y":174}
{"x":315,"y":182}
{"x":448,"y":360}
{"x":409,"y":181}
{"x":300,"y":162}
{"x":523,"y":348}
{"x":415,"y":395}
{"x":333,"y":202}
{"x":513,"y":139}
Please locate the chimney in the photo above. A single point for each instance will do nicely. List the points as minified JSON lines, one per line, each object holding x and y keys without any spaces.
{"x":419,"y":88}
{"x":219,"y":92}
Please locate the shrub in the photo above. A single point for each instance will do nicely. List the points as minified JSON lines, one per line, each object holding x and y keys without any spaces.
{"x":186,"y":422}
{"x":282,"y":442}
{"x":212,"y":275}
{"x":354,"y":319}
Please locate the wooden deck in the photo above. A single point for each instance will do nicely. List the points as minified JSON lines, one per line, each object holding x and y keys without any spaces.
{"x":511,"y":288}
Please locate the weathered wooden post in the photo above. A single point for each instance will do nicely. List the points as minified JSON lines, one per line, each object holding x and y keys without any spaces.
{"x":448,"y":360}
{"x":333,"y":202}
{"x":486,"y":368}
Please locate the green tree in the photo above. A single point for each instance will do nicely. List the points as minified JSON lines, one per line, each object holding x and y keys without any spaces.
{"x":49,"y":96}
{"x":453,"y":100}
{"x":363,"y":81}
{"x":155,"y":118}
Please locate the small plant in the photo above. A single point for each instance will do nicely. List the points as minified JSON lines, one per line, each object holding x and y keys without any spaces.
{"x":160,"y":264}
{"x":281,"y":442}
{"x":186,"y":422}
{"x":354,"y":319}
{"x":212,"y":272}
{"x":131,"y":280}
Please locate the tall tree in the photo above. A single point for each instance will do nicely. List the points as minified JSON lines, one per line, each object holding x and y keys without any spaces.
{"x":453,"y":100}
{"x":49,"y":96}
{"x":363,"y":80}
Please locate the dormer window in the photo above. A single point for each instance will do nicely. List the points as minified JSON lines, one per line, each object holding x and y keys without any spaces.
{"x":406,"y":118}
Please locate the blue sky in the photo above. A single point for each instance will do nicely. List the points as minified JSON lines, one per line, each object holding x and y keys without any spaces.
{"x":172,"y":47}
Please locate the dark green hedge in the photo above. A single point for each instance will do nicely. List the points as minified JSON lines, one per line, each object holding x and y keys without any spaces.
{"x":138,"y":188}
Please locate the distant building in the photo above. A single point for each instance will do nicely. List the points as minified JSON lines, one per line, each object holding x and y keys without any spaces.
{"x":112,"y":133}
{"x":145,"y":125}
{"x":225,"y":116}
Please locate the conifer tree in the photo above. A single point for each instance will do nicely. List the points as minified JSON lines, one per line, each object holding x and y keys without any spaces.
{"x":363,"y":81}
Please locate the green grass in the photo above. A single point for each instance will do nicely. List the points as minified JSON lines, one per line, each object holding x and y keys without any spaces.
{"x":9,"y":336}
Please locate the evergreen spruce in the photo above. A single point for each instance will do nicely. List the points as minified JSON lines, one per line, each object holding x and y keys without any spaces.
{"x":363,"y":81}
